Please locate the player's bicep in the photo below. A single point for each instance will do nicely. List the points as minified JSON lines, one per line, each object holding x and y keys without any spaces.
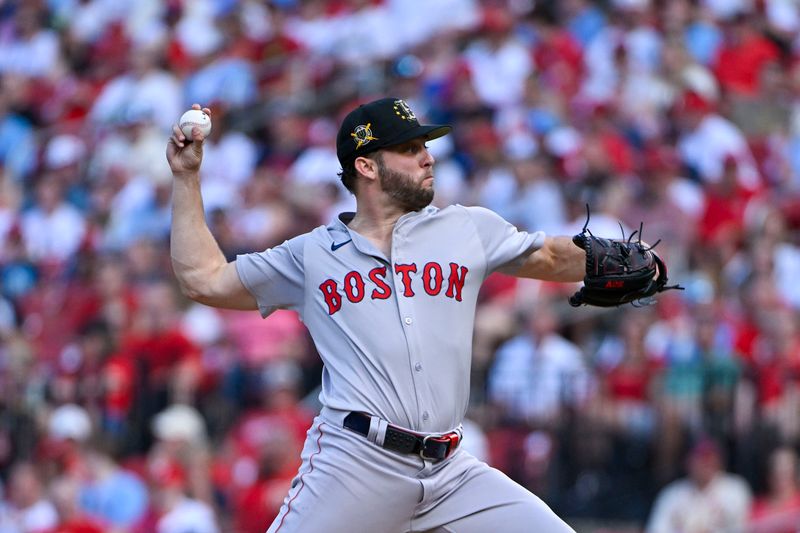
{"x":275,"y":277}
{"x":504,"y":246}
{"x":226,"y":290}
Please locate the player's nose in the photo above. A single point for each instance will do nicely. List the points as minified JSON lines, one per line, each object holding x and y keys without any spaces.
{"x":428,"y":159}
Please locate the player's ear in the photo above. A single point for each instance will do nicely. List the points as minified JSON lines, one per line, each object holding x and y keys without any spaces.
{"x":366,"y":167}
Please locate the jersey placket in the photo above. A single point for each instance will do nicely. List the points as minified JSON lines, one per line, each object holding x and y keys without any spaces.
{"x":405,"y":306}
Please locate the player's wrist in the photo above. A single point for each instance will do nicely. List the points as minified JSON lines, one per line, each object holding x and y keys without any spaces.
{"x":187,"y":174}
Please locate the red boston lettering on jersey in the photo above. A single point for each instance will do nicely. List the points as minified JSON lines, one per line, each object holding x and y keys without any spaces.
{"x":382,"y":290}
{"x":614,"y":284}
{"x":405,"y":273}
{"x":354,"y":287}
{"x":456,"y":281}
{"x":432,"y":278}
{"x":332,"y":296}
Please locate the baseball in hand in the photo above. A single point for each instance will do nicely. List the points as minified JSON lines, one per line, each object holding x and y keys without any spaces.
{"x":192,"y":118}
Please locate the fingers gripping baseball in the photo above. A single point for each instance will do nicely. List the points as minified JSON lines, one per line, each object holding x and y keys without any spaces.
{"x":185,"y":154}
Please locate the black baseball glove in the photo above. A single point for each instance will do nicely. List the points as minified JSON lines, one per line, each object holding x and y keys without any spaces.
{"x":619,"y":271}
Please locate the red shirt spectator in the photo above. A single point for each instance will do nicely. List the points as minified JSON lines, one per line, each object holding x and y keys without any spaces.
{"x":742,"y":57}
{"x":723,"y":217}
{"x":558,"y":57}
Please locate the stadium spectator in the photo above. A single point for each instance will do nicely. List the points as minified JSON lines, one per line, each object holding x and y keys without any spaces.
{"x":778,"y":509}
{"x":31,"y":509}
{"x":708,"y":499}
{"x":538,"y":372}
{"x":682,"y":115}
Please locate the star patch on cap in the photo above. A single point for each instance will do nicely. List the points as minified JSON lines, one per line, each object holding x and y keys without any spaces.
{"x":402,"y":110}
{"x":363,"y":135}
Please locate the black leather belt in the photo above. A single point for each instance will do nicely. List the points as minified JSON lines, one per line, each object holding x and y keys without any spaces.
{"x":433,"y":447}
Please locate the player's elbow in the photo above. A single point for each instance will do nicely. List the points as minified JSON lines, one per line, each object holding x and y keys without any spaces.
{"x":190,"y":290}
{"x":193,"y":283}
{"x":215,"y":286}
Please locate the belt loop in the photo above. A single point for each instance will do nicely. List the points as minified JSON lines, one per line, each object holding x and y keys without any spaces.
{"x":377,"y":430}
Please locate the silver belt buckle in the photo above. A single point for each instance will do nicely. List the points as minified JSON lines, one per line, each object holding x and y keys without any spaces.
{"x":453,"y":440}
{"x":422,"y":448}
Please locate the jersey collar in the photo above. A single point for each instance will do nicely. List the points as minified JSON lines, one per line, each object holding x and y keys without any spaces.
{"x":340,"y":233}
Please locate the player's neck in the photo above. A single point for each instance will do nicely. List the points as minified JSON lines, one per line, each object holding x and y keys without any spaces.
{"x":376,"y":221}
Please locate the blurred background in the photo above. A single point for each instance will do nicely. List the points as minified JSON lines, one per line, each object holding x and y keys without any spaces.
{"x":125,"y":408}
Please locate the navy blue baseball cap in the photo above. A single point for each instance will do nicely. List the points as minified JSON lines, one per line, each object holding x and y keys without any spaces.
{"x":378,"y":124}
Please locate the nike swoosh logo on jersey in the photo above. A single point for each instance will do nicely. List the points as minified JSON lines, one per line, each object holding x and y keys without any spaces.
{"x":335,"y":246}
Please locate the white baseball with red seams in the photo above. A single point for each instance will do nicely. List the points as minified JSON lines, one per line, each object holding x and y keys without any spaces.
{"x":192,"y":118}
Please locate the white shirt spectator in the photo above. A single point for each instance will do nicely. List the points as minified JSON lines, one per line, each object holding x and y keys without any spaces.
{"x":156,"y":95}
{"x":55,"y":234}
{"x":787,"y":269}
{"x":682,"y":506}
{"x":40,"y":516}
{"x":35,"y":57}
{"x":497,"y":191}
{"x":499,"y":74}
{"x":539,"y":206}
{"x":643,"y":45}
{"x":315,"y":165}
{"x":783,"y":15}
{"x":371,"y":25}
{"x":227,"y":165}
{"x":232,"y":158}
{"x":89,"y":20}
{"x":228,"y":80}
{"x":707,"y":147}
{"x":535,"y":381}
{"x":132,"y":200}
{"x":421,"y":24}
{"x":188,"y":515}
{"x":602,"y":76}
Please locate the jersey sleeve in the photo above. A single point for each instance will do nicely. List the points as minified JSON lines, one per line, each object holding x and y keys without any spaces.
{"x":275,"y":276}
{"x":505,"y":246}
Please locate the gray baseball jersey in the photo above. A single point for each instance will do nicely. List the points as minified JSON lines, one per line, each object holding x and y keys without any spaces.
{"x":394,"y":333}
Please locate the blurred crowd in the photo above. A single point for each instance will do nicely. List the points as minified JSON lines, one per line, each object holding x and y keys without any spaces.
{"x":125,"y":408}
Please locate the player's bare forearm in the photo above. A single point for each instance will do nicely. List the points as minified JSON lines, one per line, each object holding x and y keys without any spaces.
{"x":203,"y":273}
{"x":194,"y":251}
{"x":557,"y":260}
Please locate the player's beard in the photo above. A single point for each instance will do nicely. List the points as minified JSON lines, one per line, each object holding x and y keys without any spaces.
{"x":403,"y":189}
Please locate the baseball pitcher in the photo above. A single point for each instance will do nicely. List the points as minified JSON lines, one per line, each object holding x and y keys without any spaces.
{"x":388,"y":294}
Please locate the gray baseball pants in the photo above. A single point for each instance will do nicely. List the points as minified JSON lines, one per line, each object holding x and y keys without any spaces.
{"x":347,"y":484}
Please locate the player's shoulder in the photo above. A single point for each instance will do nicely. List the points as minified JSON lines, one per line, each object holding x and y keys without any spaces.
{"x":459,"y":210}
{"x":295,"y":246}
{"x":450,"y":214}
{"x":476,"y":217}
{"x":478,"y":214}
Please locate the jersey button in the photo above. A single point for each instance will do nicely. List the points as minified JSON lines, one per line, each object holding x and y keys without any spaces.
{"x":425,"y":415}
{"x":408,"y":320}
{"x":418,"y":367}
